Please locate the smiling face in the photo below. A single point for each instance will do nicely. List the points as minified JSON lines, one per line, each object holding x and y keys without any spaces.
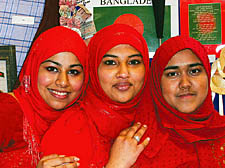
{"x":60,"y":79}
{"x":121,"y":73}
{"x":184,"y":82}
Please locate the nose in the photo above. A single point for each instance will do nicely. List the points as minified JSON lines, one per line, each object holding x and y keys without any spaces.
{"x":62,"y":80}
{"x":123,"y":71}
{"x":185,"y":82}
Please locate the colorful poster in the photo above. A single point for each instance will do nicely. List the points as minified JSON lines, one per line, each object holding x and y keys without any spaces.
{"x":204,"y":21}
{"x":75,"y":15}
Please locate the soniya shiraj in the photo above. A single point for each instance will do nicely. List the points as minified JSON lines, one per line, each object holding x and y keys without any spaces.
{"x":124,"y":2}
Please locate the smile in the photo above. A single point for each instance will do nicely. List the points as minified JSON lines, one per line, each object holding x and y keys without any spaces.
{"x":58,"y":94}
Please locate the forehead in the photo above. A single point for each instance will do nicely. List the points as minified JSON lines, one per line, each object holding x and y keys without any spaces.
{"x":122,"y":49}
{"x":63,"y":58}
{"x":184,"y":57}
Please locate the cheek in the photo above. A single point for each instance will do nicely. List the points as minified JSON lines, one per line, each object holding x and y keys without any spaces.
{"x":138,"y":76}
{"x":77,"y":83}
{"x":105,"y":78}
{"x":44,"y":80}
{"x":203,"y":86}
{"x":168,"y":89}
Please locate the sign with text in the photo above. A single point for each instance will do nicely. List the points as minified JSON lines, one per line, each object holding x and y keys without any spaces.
{"x":201,"y":19}
{"x":137,"y":13}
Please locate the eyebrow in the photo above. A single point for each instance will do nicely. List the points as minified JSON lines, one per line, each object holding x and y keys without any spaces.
{"x":114,"y":56}
{"x":190,"y":65}
{"x":71,"y":66}
{"x":75,"y":65}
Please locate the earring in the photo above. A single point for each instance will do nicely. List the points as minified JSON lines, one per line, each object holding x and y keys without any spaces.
{"x":26,"y":83}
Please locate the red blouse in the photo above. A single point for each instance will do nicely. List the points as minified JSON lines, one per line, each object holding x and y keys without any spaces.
{"x":11,"y":123}
{"x":12,"y":146}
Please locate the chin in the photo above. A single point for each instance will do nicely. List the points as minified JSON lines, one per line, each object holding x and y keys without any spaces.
{"x":58,"y":107}
{"x":186,"y":111}
{"x":124,"y":101}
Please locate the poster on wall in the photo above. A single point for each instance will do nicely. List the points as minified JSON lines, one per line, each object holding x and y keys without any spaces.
{"x":202,"y":20}
{"x":139,"y":14}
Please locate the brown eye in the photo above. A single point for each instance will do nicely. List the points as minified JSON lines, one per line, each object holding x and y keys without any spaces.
{"x":109,"y":62}
{"x":74,"y":72}
{"x":171,"y":74}
{"x":51,"y":69}
{"x":195,"y":71}
{"x":134,"y":62}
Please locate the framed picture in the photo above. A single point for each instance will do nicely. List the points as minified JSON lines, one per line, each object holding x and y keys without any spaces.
{"x":204,"y":21}
{"x":8,"y":68}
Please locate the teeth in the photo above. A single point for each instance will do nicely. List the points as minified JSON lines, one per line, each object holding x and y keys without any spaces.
{"x":59,"y":93}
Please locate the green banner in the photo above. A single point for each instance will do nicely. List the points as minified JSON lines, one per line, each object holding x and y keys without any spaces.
{"x":205,"y":22}
{"x":104,"y":16}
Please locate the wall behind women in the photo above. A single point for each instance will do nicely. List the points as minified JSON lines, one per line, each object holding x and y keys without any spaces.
{"x":20,"y":35}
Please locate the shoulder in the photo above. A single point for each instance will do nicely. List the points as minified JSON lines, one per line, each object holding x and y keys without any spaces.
{"x":9,"y":106}
{"x":11,"y":120}
{"x":8,"y":99}
{"x":5,"y":97}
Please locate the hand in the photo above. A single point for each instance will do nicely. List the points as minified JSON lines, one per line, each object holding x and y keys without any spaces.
{"x":58,"y":161}
{"x":126,"y":148}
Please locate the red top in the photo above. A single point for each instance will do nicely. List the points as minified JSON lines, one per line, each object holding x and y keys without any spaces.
{"x":11,"y":123}
{"x":13,"y":147}
{"x":37,"y":114}
{"x":178,"y":139}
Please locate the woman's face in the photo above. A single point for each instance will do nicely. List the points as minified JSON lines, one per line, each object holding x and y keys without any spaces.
{"x":60,"y":79}
{"x":184,"y":82}
{"x":121,"y":73}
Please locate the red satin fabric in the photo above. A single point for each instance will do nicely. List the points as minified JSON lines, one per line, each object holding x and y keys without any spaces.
{"x":37,"y":115}
{"x":88,"y":132}
{"x":178,"y":139}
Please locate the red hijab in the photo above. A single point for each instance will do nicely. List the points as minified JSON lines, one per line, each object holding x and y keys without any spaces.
{"x":99,"y":120}
{"x":204,"y":124}
{"x":103,"y":41}
{"x":38,"y":115}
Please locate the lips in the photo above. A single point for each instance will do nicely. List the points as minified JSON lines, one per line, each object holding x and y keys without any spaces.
{"x":186,"y":95}
{"x":122,"y":86}
{"x":59,"y":94}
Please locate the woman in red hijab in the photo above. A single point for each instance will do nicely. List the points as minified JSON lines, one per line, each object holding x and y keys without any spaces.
{"x":118,"y":67}
{"x":53,"y":78}
{"x":185,"y":130}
